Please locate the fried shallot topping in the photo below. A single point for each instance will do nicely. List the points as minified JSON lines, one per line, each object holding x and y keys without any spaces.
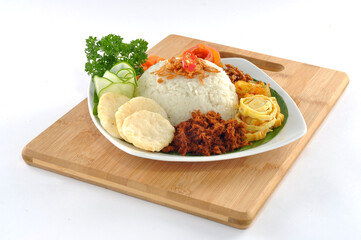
{"x":207,"y":134}
{"x":174,"y":67}
{"x":235,"y":74}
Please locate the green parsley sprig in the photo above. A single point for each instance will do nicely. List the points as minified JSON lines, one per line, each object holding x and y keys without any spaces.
{"x":104,"y":53}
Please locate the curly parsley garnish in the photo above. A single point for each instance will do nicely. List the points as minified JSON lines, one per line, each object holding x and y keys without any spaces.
{"x":104,"y":53}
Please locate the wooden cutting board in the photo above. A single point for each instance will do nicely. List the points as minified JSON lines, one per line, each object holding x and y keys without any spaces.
{"x":230,"y":192}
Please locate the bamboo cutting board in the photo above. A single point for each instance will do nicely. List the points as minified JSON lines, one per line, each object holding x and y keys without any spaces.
{"x":230,"y":192}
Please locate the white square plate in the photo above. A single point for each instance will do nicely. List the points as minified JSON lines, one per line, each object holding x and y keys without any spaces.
{"x":294,"y":128}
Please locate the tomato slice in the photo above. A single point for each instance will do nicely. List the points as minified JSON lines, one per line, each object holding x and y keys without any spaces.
{"x":207,"y":53}
{"x":202,"y":51}
{"x":189,"y":61}
{"x":216,"y":55}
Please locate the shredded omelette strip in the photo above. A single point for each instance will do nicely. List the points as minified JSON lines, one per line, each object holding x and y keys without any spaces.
{"x":260,"y":114}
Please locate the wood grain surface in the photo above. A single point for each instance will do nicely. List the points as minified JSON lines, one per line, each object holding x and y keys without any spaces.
{"x":230,"y":192}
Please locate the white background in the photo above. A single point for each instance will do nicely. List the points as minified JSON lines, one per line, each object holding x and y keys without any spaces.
{"x":42,"y":77}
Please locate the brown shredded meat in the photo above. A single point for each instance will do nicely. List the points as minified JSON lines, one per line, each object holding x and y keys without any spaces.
{"x":174,"y":67}
{"x":207,"y":134}
{"x":235,"y":74}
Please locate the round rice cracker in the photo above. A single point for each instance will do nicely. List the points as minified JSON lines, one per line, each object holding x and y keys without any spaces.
{"x":148,"y":130}
{"x":134,"y":105}
{"x":108,"y":105}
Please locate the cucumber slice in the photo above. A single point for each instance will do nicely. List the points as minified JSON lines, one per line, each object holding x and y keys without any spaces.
{"x":126,"y":89}
{"x":111,"y":76}
{"x":100,"y":83}
{"x":119,"y":66}
{"x":127,"y":75}
{"x":121,"y":78}
{"x":124,"y":71}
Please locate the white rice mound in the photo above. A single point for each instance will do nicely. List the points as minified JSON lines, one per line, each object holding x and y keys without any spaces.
{"x":181,"y":96}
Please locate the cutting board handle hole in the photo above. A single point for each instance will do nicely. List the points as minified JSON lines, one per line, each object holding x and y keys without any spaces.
{"x":263,"y":64}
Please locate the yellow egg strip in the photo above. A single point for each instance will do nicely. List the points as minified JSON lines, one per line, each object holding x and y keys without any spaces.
{"x":259,"y":107}
{"x":260,"y":114}
{"x":256,"y":136}
{"x":260,"y":126}
{"x":279,"y":120}
{"x":264,"y":126}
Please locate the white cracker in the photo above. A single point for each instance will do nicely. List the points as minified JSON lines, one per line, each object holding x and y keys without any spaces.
{"x":148,"y":130}
{"x":134,"y":105}
{"x":107,"y":107}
